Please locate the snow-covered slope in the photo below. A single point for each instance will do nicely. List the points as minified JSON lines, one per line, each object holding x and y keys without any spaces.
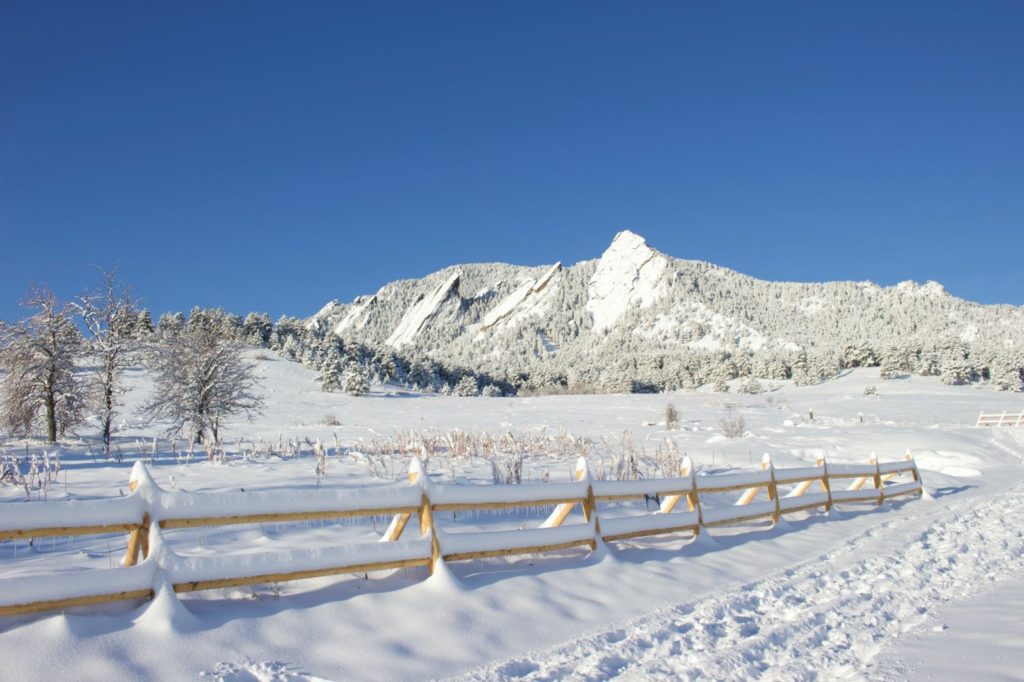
{"x":862,"y":593}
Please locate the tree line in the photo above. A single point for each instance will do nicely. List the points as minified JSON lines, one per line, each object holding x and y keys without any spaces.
{"x":67,"y":361}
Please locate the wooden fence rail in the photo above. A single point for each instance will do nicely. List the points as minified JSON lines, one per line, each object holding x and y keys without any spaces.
{"x":1001,"y":419}
{"x":148,"y":511}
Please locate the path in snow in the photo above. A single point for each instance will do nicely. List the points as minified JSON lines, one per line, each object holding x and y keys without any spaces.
{"x":826,"y":618}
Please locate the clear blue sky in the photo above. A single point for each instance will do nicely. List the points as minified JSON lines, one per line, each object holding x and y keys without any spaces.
{"x":272,"y":155}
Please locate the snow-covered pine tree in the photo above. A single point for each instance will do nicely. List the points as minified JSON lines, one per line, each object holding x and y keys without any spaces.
{"x":331,"y":377}
{"x":466,"y":387}
{"x":1007,"y":371}
{"x":356,"y":381}
{"x":257,"y":329}
{"x":143,"y":324}
{"x":928,"y":365}
{"x":891,"y":363}
{"x":171,"y":324}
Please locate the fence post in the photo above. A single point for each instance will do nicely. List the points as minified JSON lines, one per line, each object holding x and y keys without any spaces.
{"x":138,"y":538}
{"x":825,"y":483}
{"x":877,"y":478}
{"x":773,"y":490}
{"x":427,"y":526}
{"x":693,"y":497}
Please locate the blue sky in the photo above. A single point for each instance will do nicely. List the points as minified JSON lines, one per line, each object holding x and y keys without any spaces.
{"x":271,"y":156}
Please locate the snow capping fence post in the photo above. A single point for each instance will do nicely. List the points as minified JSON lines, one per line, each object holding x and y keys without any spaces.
{"x":877,"y":478}
{"x":590,"y":505}
{"x":773,"y":489}
{"x":825,"y":484}
{"x":163,"y":571}
{"x":142,"y":484}
{"x":426,"y":514}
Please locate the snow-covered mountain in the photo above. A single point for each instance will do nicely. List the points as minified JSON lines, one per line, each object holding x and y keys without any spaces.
{"x":637,"y":316}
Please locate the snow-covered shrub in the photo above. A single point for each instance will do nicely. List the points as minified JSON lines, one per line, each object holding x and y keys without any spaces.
{"x":751,"y":386}
{"x":671,"y":417}
{"x":732,"y":425}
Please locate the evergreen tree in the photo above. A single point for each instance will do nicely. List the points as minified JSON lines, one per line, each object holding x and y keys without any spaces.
{"x":891,"y":364}
{"x":356,"y":380}
{"x":332,"y":377}
{"x":466,"y":387}
{"x":143,"y":324}
{"x":171,"y":324}
{"x":257,"y":329}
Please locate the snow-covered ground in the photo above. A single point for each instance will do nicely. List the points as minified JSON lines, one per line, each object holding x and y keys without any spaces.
{"x":917,"y":588}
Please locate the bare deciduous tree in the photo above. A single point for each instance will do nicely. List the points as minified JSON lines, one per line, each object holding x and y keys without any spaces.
{"x":109,"y":315}
{"x":38,"y":359}
{"x":200,"y":380}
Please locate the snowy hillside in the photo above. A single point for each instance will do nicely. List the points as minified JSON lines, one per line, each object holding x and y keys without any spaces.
{"x":636,"y":319}
{"x":861,"y":592}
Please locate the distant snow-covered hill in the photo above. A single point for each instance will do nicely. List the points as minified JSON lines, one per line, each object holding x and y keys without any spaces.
{"x":637,"y":317}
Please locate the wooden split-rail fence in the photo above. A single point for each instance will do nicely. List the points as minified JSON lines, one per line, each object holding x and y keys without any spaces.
{"x":1001,"y":419}
{"x":148,"y":511}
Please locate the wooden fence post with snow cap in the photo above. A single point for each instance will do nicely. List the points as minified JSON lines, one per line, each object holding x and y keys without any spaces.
{"x":426,"y":512}
{"x":877,"y":478}
{"x":773,"y":489}
{"x":825,"y":485}
{"x":590,"y":505}
{"x":693,"y":497}
{"x":138,"y":538}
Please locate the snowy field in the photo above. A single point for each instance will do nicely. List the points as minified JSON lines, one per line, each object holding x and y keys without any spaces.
{"x":915,"y":589}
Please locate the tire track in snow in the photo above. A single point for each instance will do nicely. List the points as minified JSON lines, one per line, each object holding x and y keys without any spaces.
{"x":824,"y":618}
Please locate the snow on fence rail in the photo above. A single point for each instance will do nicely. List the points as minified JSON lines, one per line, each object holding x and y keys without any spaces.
{"x":148,"y":510}
{"x":1001,"y":419}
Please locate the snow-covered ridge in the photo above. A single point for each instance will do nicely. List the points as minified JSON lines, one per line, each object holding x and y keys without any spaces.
{"x":628,"y":273}
{"x":421,"y":312}
{"x":527,"y":299}
{"x":356,"y":314}
{"x":587,"y":324}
